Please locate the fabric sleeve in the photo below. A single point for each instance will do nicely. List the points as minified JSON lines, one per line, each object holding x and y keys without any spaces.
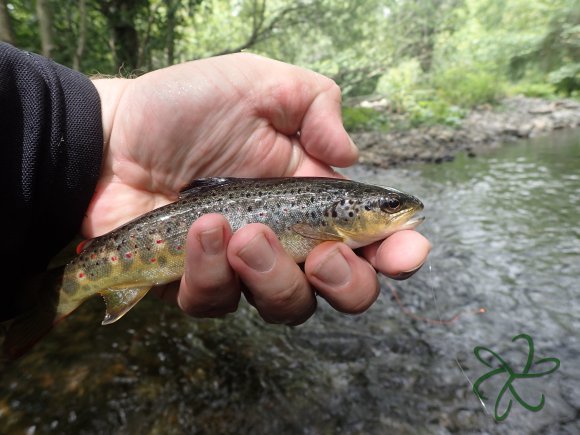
{"x":51,"y":142}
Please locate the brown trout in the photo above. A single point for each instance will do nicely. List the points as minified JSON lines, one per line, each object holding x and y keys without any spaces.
{"x":124,"y":264}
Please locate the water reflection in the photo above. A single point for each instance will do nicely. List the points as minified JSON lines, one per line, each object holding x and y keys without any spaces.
{"x":506,"y":237}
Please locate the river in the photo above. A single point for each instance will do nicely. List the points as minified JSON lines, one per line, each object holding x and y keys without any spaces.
{"x":505,"y":261}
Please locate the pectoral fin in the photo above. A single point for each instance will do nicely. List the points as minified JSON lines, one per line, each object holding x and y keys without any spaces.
{"x":311,"y":232}
{"x":119,"y":301}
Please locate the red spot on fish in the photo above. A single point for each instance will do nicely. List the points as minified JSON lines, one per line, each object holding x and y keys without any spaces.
{"x":153,"y":260}
{"x":93,"y":256}
{"x":81,"y":275}
{"x":179,"y":247}
{"x":159,"y":241}
{"x":113,"y":258}
{"x":128,"y":255}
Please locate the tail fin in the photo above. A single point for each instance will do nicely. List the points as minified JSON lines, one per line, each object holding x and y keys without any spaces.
{"x":25,"y":331}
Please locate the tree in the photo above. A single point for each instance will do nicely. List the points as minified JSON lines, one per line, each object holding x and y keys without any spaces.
{"x":124,"y":37}
{"x":46,"y":25}
{"x":6,"y":31}
{"x":82,"y":36}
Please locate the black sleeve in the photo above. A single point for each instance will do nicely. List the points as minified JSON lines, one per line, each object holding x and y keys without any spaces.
{"x":51,"y":150}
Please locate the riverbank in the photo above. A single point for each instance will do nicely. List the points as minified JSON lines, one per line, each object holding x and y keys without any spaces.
{"x":484,"y":128}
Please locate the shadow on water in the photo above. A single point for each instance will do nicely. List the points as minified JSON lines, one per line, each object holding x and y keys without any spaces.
{"x":506,"y":237}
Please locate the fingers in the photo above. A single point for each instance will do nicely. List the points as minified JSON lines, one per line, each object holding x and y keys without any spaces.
{"x":274,"y":283}
{"x":400,"y":255}
{"x":296,"y":99}
{"x":209,"y":287}
{"x":349,"y":283}
{"x":322,"y":133}
{"x":217,"y":262}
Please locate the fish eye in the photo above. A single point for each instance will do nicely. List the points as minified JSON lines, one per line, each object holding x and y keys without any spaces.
{"x":390,"y":204}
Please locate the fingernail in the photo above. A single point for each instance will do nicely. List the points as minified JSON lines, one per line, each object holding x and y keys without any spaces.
{"x":404,"y":275}
{"x":212,"y":241}
{"x":258,"y":254}
{"x":334,"y":270}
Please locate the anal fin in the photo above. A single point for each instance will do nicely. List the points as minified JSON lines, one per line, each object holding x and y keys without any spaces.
{"x":120,"y":301}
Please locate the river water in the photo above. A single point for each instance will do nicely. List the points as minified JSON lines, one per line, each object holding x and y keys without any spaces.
{"x":506,"y":261}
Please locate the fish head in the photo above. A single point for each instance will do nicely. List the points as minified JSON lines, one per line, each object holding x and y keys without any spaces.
{"x":372,"y":215}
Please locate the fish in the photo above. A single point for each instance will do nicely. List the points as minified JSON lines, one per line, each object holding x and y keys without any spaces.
{"x":124,"y":264}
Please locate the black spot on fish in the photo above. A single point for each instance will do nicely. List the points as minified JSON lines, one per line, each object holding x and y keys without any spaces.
{"x":350,"y":213}
{"x":249,"y":208}
{"x":334,"y":213}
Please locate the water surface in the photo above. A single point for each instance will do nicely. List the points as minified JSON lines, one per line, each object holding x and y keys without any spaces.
{"x":506,"y":238}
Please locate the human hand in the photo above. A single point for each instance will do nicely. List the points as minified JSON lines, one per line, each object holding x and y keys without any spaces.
{"x":237,"y":115}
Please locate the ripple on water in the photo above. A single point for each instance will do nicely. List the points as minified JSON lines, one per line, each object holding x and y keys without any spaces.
{"x":505,"y":237}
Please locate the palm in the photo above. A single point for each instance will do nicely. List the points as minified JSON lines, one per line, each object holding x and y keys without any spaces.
{"x":168,"y":130}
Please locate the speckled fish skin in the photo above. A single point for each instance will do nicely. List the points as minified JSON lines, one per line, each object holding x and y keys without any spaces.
{"x":303,"y":212}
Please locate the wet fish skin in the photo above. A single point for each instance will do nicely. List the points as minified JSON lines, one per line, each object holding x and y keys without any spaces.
{"x":303,"y":212}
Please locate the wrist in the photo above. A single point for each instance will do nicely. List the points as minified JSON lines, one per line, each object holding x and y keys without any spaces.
{"x":110,"y":93}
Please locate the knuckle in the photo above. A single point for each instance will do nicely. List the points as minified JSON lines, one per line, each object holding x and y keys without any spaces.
{"x":288,"y":295}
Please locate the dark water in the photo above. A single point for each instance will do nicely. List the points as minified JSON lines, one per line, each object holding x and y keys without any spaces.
{"x":506,"y":235}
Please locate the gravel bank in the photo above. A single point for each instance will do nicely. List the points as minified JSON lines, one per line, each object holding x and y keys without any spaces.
{"x":484,"y":128}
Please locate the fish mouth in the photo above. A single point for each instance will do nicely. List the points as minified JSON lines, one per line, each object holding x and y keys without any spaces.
{"x":413,"y":222}
{"x":414,"y":219}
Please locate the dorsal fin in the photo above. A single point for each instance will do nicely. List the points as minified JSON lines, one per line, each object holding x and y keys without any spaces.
{"x":204,"y":183}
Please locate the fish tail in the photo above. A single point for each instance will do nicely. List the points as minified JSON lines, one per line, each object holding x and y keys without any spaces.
{"x":26,"y":330}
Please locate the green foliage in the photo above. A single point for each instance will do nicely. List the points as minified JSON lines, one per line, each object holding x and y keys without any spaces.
{"x":531,"y":89}
{"x":468,"y":87}
{"x":406,"y":89}
{"x":363,"y":118}
{"x":430,"y":112}
{"x":399,"y":84}
{"x":431,"y":59}
{"x":566,"y":79}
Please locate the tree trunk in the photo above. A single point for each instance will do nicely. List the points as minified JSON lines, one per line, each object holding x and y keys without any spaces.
{"x":46,"y":24}
{"x":6,"y":32}
{"x":82,"y":36}
{"x":124,"y":38}
{"x":170,"y":26}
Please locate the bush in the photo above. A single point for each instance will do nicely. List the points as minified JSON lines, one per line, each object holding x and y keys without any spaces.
{"x":534,"y":90}
{"x":363,"y":119}
{"x":399,"y":84}
{"x":468,"y":87}
{"x":566,"y":79}
{"x":435,"y":112}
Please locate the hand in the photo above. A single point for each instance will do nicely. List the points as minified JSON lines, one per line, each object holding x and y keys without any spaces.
{"x":236,"y":115}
